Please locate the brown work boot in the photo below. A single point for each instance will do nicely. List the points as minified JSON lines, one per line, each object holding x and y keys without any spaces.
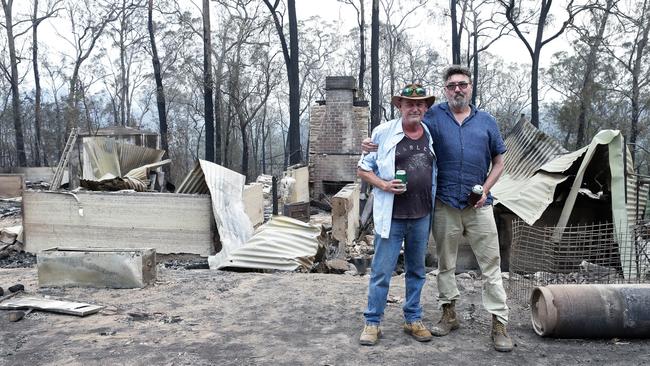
{"x":418,"y":331}
{"x":502,"y":342}
{"x":448,"y":322}
{"x":370,"y":335}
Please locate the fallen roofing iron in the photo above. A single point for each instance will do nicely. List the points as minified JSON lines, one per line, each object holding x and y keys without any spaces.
{"x":282,"y":243}
{"x":106,"y":160}
{"x":226,"y":188}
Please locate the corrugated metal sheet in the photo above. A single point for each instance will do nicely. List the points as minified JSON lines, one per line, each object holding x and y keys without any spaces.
{"x":226,"y":188}
{"x":528,"y":150}
{"x":281,"y":244}
{"x":528,"y":191}
{"x":104,"y":155}
{"x":634,"y":194}
{"x":134,"y":156}
{"x":142,"y":172}
{"x":100,"y":158}
{"x":564,"y":162}
{"x":527,"y":198}
{"x":535,"y":164}
{"x":194,"y":182}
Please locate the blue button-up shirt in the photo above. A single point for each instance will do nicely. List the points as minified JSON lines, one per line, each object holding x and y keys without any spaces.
{"x":464,"y":151}
{"x":382,"y":163}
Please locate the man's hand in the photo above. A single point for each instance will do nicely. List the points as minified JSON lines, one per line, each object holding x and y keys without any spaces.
{"x":367,"y":145}
{"x":394,"y":186}
{"x":481,"y":202}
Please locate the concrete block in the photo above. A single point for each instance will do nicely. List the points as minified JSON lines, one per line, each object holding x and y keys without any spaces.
{"x":11,"y":185}
{"x":254,"y":202}
{"x":299,"y":190}
{"x":101,"y":268}
{"x":169,"y":223}
{"x":345,"y":214}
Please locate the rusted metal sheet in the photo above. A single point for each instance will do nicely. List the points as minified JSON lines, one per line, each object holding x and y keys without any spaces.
{"x":282,"y":243}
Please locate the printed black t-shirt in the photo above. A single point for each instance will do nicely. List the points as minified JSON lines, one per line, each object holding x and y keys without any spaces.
{"x":415,"y":157}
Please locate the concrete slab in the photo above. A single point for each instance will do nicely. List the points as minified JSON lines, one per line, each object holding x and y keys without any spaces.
{"x":11,"y":185}
{"x":168,"y":223}
{"x":101,"y":268}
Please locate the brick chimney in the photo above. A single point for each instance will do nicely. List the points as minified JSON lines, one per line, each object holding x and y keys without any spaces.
{"x":337,"y":128}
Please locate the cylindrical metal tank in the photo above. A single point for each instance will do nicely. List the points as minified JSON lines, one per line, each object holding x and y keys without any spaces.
{"x":591,"y":311}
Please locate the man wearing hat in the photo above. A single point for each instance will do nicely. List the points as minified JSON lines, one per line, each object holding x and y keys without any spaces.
{"x":402,"y":209}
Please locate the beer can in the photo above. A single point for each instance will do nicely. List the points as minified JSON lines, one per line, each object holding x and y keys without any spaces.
{"x":475,"y":195}
{"x":401,"y":175}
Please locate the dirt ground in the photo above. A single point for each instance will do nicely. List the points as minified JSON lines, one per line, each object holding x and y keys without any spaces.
{"x":206,"y":317}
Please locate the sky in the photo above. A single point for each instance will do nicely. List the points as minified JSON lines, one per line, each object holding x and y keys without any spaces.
{"x":510,"y":48}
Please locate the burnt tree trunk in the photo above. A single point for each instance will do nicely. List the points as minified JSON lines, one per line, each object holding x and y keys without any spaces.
{"x":207,"y":84}
{"x":160,"y":90}
{"x":13,"y":78}
{"x":375,"y":116}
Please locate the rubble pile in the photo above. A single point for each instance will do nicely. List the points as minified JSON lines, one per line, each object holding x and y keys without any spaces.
{"x":362,"y":247}
{"x":267,"y":191}
{"x":11,"y":246}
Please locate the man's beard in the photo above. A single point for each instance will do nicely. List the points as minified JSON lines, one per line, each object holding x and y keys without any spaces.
{"x":459,"y":101}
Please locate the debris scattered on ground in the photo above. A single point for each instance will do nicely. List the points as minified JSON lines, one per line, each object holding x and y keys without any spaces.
{"x":16,"y":288}
{"x":17,"y":315}
{"x":55,"y":306}
{"x":176,"y":262}
{"x":18,"y":260}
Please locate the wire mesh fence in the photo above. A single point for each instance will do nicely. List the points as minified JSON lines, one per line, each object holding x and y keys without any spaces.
{"x":584,"y":254}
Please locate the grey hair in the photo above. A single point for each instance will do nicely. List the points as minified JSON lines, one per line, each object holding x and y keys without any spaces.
{"x":456,"y":69}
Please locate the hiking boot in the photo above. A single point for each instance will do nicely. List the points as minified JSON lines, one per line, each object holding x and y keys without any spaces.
{"x":502,"y":342}
{"x":448,"y":321}
{"x":418,"y":331}
{"x":370,"y":335}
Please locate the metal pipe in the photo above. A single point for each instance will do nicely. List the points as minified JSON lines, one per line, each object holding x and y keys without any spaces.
{"x":591,"y":311}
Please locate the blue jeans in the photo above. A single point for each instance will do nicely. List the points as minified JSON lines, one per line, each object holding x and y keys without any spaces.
{"x":415,"y":234}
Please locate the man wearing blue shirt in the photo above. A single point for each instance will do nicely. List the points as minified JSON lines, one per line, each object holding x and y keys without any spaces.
{"x":401,"y":212}
{"x":467,"y":142}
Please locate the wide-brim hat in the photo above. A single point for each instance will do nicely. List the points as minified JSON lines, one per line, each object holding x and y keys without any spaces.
{"x":413,"y":92}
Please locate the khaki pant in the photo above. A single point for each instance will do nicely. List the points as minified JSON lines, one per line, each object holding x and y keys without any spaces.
{"x":478,"y":226}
